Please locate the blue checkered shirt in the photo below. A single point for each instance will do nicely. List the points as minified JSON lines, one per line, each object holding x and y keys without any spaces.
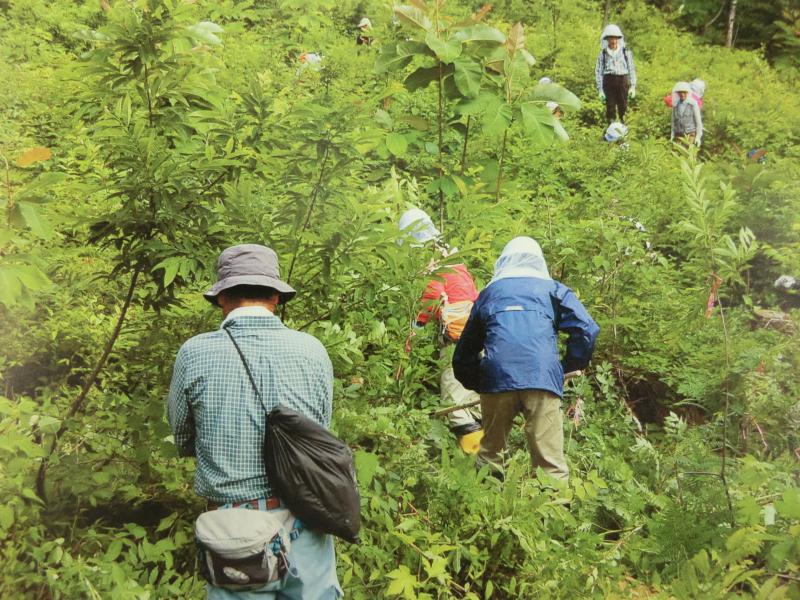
{"x":217,"y":417}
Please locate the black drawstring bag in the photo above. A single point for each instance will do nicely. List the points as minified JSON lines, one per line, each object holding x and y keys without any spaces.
{"x":310,"y":469}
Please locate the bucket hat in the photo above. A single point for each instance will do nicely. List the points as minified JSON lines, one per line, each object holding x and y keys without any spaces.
{"x":249,"y":264}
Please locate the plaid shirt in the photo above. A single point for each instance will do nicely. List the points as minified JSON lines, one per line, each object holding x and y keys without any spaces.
{"x":217,"y":417}
{"x":614,"y":64}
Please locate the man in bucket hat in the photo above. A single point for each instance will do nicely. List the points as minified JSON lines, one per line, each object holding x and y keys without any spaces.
{"x":216,"y":416}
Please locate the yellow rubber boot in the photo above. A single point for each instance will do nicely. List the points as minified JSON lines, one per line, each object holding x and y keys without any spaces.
{"x":471,"y":442}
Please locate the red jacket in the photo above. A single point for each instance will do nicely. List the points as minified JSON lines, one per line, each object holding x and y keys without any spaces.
{"x":452,"y":280}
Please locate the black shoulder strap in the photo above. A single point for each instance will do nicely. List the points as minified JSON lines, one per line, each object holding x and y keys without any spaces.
{"x":246,"y":367}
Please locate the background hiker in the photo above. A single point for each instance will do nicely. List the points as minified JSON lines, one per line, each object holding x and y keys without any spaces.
{"x":698,"y":87}
{"x":615,"y":73}
{"x":363,"y":36}
{"x":515,"y":324}
{"x":687,"y":122}
{"x":216,"y":416}
{"x":555,"y":109}
{"x":447,"y":299}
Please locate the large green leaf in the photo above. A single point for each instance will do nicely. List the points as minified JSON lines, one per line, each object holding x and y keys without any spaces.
{"x":556,"y":93}
{"x":468,"y":75}
{"x":389,"y":60}
{"x":477,"y":105}
{"x":397,"y":144}
{"x":413,"y":16}
{"x":34,"y":220}
{"x":498,"y":118}
{"x":446,"y":51}
{"x":480,"y":33}
{"x":395,"y":57}
{"x":425,"y":75}
{"x":537,"y":122}
{"x":10,"y":285}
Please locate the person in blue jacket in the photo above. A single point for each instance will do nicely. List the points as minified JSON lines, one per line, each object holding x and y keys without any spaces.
{"x":508,"y":353}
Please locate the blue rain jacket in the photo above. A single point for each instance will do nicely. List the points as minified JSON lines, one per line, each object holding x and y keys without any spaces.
{"x":515,"y":322}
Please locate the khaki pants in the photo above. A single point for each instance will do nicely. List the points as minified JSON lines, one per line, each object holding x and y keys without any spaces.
{"x":543,"y":429}
{"x":454,"y":394}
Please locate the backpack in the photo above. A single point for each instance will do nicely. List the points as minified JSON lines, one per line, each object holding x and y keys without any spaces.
{"x":453,"y":317}
{"x":312,"y":471}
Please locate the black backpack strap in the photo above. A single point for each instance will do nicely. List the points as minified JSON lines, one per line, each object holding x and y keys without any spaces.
{"x":246,"y":367}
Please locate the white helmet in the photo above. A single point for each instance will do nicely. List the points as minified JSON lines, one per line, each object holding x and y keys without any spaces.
{"x":615,"y":132}
{"x":419,"y":226}
{"x":552,"y":106}
{"x":545,"y":81}
{"x":365,"y":23}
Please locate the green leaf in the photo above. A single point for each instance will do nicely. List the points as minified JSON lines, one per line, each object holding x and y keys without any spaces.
{"x":497,"y":120}
{"x":205,"y":31}
{"x":446,"y":51}
{"x":6,"y":517}
{"x":789,"y":504}
{"x":397,"y":144}
{"x":10,"y":285}
{"x":416,"y":122}
{"x":477,"y":105}
{"x":413,"y":16}
{"x":403,"y":582}
{"x":383,"y":118}
{"x":480,"y":33}
{"x":366,"y":466}
{"x":32,"y":278}
{"x":32,"y":219}
{"x":389,"y":59}
{"x":527,"y":57}
{"x":558,"y":94}
{"x":537,"y":122}
{"x":422,"y":77}
{"x":467,"y":76}
{"x":170,"y":266}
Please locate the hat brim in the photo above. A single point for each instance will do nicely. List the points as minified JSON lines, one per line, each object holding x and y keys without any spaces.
{"x":285,"y":291}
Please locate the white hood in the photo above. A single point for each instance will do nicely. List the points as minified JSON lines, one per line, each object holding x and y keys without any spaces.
{"x":522,"y":257}
{"x":612,"y":30}
{"x":682,"y":86}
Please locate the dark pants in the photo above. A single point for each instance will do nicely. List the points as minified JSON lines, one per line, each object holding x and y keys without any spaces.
{"x":615,"y":87}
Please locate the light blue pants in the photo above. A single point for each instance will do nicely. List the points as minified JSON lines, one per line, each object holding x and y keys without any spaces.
{"x":313,"y":574}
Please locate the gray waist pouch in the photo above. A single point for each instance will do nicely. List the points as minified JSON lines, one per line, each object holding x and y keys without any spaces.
{"x":241,"y":548}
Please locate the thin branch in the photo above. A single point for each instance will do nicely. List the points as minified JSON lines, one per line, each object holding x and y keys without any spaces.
{"x":298,"y":234}
{"x":77,"y":404}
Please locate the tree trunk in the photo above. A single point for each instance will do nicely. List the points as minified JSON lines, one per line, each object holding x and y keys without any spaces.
{"x":731,"y":23}
{"x":607,"y":13}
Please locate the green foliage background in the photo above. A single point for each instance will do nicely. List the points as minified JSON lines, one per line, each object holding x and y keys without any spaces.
{"x":175,"y":128}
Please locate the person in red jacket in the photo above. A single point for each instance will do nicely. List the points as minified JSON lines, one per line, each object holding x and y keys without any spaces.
{"x":447,"y":300}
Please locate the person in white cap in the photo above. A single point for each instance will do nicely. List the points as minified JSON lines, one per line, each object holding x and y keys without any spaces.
{"x":687,"y":122}
{"x":698,"y":87}
{"x":615,"y":73}
{"x":555,"y":109}
{"x":447,"y":300}
{"x":363,"y":37}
